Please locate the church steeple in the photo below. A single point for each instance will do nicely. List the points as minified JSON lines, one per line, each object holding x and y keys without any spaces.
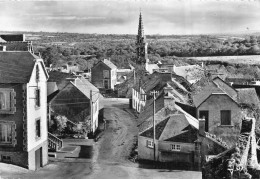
{"x":140,"y":28}
{"x":141,"y":45}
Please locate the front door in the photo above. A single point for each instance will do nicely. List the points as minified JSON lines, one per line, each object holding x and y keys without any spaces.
{"x":106,"y":84}
{"x":205,"y":115}
{"x":38,"y":158}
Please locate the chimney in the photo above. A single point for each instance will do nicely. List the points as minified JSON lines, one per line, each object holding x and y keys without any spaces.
{"x":202,"y":127}
{"x":2,"y":48}
{"x":167,"y":88}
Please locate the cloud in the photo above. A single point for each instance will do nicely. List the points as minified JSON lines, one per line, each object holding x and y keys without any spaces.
{"x":164,"y":16}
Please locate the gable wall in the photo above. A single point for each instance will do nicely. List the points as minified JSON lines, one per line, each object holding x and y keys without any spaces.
{"x":97,"y":75}
{"x":214,"y":104}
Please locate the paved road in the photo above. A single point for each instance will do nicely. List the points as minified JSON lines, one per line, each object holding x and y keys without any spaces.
{"x":112,"y":151}
{"x":110,"y":156}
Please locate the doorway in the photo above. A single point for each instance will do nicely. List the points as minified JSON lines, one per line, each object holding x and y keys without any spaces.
{"x":38,"y":158}
{"x":205,"y":115}
{"x":106,"y":84}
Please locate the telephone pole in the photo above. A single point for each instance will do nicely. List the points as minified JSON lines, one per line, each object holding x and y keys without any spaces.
{"x":154,"y":93}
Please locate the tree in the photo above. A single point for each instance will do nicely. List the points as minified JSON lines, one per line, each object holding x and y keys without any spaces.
{"x":61,"y":123}
{"x":50,"y":55}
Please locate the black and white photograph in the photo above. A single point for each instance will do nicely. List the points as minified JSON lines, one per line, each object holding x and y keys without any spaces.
{"x":130,"y":89}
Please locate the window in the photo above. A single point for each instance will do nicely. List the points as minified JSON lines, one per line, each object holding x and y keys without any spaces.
{"x":150,"y":144}
{"x":38,"y":128}
{"x":37,"y":98}
{"x":143,"y":97}
{"x":225,"y":116}
{"x":37,"y":74}
{"x":106,"y":74}
{"x":175,"y":147}
{"x":5,"y":100}
{"x":6,"y":158}
{"x":5,"y":133}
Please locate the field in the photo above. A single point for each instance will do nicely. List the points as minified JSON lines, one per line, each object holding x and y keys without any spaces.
{"x":245,"y":59}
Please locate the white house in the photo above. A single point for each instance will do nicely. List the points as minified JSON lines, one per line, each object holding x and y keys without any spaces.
{"x":23,"y":110}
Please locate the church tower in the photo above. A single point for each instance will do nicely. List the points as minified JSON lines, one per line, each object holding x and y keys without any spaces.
{"x":141,"y":45}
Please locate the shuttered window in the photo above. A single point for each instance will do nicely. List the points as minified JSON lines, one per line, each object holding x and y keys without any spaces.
{"x":225,"y":116}
{"x":5,"y":133}
{"x":7,"y":101}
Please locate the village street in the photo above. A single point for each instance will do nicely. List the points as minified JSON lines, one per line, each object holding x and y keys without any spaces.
{"x":110,"y":160}
{"x":110,"y":154}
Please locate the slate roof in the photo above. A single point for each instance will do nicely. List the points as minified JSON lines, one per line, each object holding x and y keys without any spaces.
{"x":109,"y":64}
{"x":241,"y":96}
{"x":60,"y":78}
{"x":239,"y":80}
{"x":205,"y":93}
{"x":148,"y":109}
{"x":85,"y":86}
{"x":172,"y":125}
{"x":155,"y":79}
{"x":158,"y":128}
{"x":248,"y":96}
{"x":12,"y":37}
{"x":16,"y":66}
{"x":187,"y":136}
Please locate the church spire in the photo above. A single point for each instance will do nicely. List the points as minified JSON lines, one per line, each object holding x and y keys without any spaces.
{"x":141,"y":45}
{"x":140,"y":27}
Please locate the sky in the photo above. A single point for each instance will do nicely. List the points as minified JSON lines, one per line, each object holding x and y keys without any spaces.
{"x":179,"y":17}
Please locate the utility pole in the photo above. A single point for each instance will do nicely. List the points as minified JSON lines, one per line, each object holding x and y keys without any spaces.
{"x":154,"y":97}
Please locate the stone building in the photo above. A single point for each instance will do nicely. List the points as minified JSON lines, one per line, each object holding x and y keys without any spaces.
{"x":103,"y":74}
{"x":222,"y":107}
{"x":23,"y":106}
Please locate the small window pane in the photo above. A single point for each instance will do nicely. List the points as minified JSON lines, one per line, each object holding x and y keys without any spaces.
{"x":225,"y":117}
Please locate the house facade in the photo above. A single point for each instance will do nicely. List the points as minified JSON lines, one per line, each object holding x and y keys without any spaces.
{"x":180,"y":140}
{"x":104,"y":74}
{"x":222,"y":108}
{"x":23,"y":116}
{"x":79,"y":102}
{"x":158,"y":81}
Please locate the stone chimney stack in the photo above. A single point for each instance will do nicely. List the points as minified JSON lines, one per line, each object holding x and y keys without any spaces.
{"x":202,"y":127}
{"x":169,"y":99}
